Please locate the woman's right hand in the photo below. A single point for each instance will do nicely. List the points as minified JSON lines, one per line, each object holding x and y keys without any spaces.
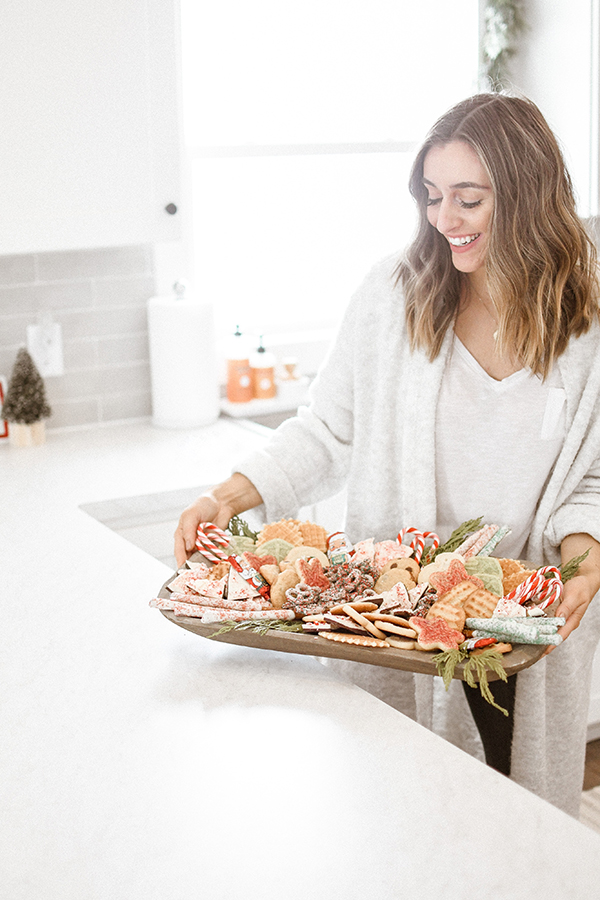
{"x":218,"y":506}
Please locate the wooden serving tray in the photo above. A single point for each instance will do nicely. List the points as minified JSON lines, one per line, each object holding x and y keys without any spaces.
{"x":421,"y":661}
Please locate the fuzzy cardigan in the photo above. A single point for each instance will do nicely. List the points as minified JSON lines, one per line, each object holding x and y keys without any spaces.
{"x":370,"y":426}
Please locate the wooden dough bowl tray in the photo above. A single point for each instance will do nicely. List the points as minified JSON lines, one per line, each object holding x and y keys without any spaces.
{"x":521,"y":657}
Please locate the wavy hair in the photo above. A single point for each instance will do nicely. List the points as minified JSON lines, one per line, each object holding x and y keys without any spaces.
{"x":541,"y":265}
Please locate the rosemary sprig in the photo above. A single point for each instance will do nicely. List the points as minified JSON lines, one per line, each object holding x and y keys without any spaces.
{"x":238,"y":527}
{"x":260,"y":627}
{"x":570,"y":568}
{"x":447,"y":661}
{"x":455,"y":540}
{"x":489,"y":659}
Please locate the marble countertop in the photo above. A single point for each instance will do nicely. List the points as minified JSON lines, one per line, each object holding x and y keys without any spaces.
{"x":141,"y":762}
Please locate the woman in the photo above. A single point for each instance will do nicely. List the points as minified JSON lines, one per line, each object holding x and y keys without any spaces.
{"x":465,"y":382}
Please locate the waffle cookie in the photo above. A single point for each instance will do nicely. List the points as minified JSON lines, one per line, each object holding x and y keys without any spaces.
{"x":285,"y":530}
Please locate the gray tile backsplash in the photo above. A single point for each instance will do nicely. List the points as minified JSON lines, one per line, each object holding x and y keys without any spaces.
{"x":99,"y":298}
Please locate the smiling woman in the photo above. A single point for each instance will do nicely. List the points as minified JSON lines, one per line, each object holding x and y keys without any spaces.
{"x":301,"y":122}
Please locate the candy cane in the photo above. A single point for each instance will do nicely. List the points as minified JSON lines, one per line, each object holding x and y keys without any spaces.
{"x":546,"y":582}
{"x":418,"y":542}
{"x":210,"y":540}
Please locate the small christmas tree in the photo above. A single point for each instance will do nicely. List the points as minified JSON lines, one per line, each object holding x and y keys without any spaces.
{"x":25,"y":402}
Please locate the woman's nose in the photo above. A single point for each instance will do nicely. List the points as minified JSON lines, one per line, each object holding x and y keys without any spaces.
{"x":448,"y":217}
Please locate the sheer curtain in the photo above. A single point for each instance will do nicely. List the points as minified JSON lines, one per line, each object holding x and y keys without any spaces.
{"x":301,"y":121}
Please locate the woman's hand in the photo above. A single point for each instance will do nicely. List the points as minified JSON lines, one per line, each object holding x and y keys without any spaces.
{"x":580,"y":590}
{"x":218,"y":505}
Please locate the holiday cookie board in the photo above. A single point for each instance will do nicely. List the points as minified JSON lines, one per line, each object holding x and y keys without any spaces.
{"x":420,"y":662}
{"x":388,"y":603}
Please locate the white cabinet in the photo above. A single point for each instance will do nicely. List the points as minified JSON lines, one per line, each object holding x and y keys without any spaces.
{"x":90,"y":124}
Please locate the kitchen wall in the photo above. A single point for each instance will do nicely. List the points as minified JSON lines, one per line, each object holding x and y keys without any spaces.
{"x":99,"y":298}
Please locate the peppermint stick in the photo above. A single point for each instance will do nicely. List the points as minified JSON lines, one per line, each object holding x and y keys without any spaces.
{"x":468,"y":542}
{"x":518,"y":638}
{"x":486,"y":534}
{"x":494,"y":541}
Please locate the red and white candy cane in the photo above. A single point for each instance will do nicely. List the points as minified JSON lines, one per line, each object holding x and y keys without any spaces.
{"x":418,"y":542}
{"x":545,"y":584}
{"x":210,"y":540}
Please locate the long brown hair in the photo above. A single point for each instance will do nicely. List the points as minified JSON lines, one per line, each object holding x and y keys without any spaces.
{"x":541,"y":265}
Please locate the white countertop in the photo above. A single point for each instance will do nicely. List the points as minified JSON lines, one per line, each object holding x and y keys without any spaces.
{"x":141,"y":762}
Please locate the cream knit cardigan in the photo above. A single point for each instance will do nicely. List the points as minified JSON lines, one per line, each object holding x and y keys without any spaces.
{"x":370,"y":425}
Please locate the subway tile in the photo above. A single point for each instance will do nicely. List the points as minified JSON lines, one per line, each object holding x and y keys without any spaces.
{"x":130,"y":379}
{"x":33,"y":299}
{"x":74,"y":386}
{"x":74,"y":412}
{"x":99,"y":297}
{"x":125,"y":406}
{"x":125,"y":348}
{"x":8,"y":356}
{"x":104,"y":262}
{"x":13,"y":331}
{"x":82,"y":354}
{"x":99,"y":322}
{"x":123,"y":291}
{"x":98,"y":382}
{"x":19,"y":269}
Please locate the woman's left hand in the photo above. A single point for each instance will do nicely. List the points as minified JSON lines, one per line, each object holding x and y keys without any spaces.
{"x":576,"y":598}
{"x":580,"y":590}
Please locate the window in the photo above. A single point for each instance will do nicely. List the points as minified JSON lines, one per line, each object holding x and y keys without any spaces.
{"x":301,"y":121}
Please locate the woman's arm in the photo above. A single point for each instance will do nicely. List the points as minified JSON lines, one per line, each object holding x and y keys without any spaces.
{"x":579,"y":590}
{"x":230,"y":498}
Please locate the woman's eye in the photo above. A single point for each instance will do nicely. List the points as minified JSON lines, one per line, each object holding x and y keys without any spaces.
{"x":431,"y":201}
{"x":466,"y":205}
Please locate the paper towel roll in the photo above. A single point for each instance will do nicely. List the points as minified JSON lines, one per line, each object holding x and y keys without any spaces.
{"x":183,"y":365}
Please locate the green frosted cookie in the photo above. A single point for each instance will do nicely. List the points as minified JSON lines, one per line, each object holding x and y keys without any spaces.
{"x":489,"y":570}
{"x":239,"y":544}
{"x":276,"y":547}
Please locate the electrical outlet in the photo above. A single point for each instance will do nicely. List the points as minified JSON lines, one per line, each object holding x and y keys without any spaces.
{"x":44,"y":342}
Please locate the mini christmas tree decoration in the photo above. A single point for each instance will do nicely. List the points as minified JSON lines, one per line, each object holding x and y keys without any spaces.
{"x":25,"y":406}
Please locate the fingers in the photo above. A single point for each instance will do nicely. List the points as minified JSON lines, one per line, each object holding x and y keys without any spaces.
{"x":575,"y":601}
{"x":204,"y":509}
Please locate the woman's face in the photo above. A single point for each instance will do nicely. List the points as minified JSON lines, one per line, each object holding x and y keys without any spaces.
{"x":461,"y":202}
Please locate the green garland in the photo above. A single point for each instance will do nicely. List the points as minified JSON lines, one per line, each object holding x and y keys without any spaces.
{"x":503,"y":23}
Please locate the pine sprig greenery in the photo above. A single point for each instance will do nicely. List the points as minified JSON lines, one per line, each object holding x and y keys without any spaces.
{"x":447,"y":661}
{"x":238,"y":527}
{"x":260,"y":627}
{"x":25,"y":401}
{"x":455,"y":540}
{"x":489,"y":659}
{"x":504,"y":21}
{"x":571,"y":568}
{"x":476,"y":669}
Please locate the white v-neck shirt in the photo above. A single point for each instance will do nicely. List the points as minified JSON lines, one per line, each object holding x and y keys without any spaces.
{"x":496,"y":443}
